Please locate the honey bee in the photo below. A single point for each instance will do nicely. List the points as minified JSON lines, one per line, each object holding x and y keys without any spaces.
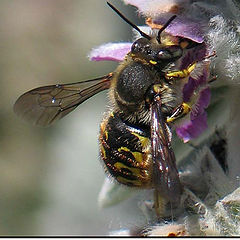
{"x":146,"y":98}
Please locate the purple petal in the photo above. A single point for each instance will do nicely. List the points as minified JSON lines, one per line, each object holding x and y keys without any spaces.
{"x":202,"y":103}
{"x":205,"y":96}
{"x":193,"y":128}
{"x":193,"y":84}
{"x":110,"y":52}
{"x":195,"y":54}
{"x":161,"y":10}
{"x":182,"y":27}
{"x":198,"y":118}
{"x":188,"y":89}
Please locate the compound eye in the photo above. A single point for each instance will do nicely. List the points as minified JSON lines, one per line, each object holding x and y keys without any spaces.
{"x":139,"y":45}
{"x":135,"y":47}
{"x":164,"y":54}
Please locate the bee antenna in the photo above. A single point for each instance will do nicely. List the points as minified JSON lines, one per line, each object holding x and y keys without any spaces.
{"x":163,"y":27}
{"x":128,"y":21}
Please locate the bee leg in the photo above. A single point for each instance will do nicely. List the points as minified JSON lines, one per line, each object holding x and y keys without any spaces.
{"x":179,"y":112}
{"x":181,"y":73}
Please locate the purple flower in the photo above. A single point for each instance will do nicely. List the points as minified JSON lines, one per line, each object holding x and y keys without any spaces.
{"x":198,"y":118}
{"x":196,"y":89}
{"x":110,"y":52}
{"x":159,"y":11}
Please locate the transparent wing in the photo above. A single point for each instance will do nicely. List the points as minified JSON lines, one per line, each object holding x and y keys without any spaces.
{"x":45,"y":105}
{"x":165,"y":174}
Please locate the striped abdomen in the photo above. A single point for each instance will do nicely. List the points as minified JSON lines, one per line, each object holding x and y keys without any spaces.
{"x":126,"y":152}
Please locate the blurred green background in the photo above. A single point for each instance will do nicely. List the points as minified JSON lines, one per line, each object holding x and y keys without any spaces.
{"x":50,"y":177}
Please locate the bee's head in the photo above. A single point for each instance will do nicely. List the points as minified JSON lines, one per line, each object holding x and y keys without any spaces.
{"x":151,"y":49}
{"x":155,"y":52}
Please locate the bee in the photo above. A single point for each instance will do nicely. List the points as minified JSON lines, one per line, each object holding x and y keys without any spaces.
{"x":146,"y":98}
